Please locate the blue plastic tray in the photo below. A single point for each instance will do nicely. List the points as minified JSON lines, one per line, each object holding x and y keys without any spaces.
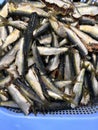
{"x":83,"y":118}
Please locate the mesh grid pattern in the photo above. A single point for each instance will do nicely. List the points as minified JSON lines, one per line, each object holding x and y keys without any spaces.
{"x":76,"y":111}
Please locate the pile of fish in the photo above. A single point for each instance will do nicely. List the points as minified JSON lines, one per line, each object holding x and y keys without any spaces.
{"x":48,"y":54}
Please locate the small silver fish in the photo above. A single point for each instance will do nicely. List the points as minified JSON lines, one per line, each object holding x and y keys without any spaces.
{"x":54,"y":95}
{"x":3,"y":33}
{"x":85,"y":10}
{"x":51,"y":50}
{"x":17,"y":24}
{"x":12,"y":37}
{"x":91,"y":30}
{"x":20,"y":100}
{"x":41,"y":30}
{"x":68,"y":71}
{"x":8,"y":58}
{"x":94,"y":83}
{"x":77,"y":41}
{"x":77,"y":89}
{"x":84,"y":37}
{"x":58,"y":27}
{"x":77,"y":61}
{"x":54,"y":62}
{"x":46,"y":80}
{"x":28,"y":9}
{"x":19,"y":57}
{"x":33,"y":80}
{"x":11,"y":104}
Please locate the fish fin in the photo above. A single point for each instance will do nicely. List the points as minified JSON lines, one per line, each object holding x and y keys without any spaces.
{"x":3,"y":21}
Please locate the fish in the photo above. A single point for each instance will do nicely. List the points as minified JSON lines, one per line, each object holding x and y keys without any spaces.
{"x":94,"y":84}
{"x":19,"y":61}
{"x":77,"y":88}
{"x":10,"y":104}
{"x":91,"y":30}
{"x":26,"y":10}
{"x":58,"y":27}
{"x":17,"y":1}
{"x":9,"y":57}
{"x":33,"y":80}
{"x":68,"y":73}
{"x":27,"y":40}
{"x":27,"y":90}
{"x":94,"y":60}
{"x":85,"y":10}
{"x":90,"y":44}
{"x":85,"y":98}
{"x":46,"y":80}
{"x":3,"y":33}
{"x":63,"y":42}
{"x":41,"y":30}
{"x":17,"y":24}
{"x":84,"y":37}
{"x":37,"y":58}
{"x":76,"y":40}
{"x":30,"y":61}
{"x":61,"y":68}
{"x":48,"y":55}
{"x":13,"y":36}
{"x":77,"y":61}
{"x":63,"y":83}
{"x":67,"y":19}
{"x":54,"y":62}
{"x":52,"y":50}
{"x":19,"y":99}
{"x":54,"y":95}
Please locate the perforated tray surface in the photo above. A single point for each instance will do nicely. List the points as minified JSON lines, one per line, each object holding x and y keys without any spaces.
{"x":76,"y":111}
{"x":82,"y":118}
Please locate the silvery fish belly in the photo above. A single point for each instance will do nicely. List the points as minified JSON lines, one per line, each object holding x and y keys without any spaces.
{"x":48,"y":54}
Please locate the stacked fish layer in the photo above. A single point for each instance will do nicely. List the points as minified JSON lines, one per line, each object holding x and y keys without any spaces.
{"x":48,"y":55}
